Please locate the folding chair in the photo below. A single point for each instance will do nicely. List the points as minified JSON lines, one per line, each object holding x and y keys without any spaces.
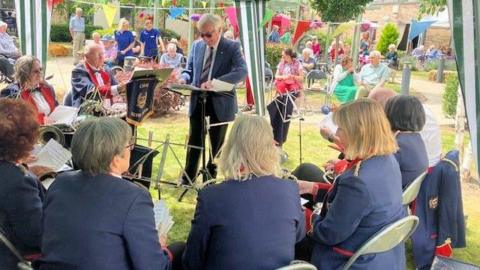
{"x":410,"y":192}
{"x":298,"y":265}
{"x":386,"y":239}
{"x":22,"y":264}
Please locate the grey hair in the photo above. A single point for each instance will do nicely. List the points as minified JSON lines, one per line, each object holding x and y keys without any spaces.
{"x":308,"y":50}
{"x":250,"y":149}
{"x":97,"y":141}
{"x":375,"y":54}
{"x":172,"y":45}
{"x":3,"y":24}
{"x":209,"y":18}
{"x":23,"y":68}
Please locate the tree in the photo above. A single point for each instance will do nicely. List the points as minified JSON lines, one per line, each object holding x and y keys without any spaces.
{"x":432,"y":7}
{"x":389,"y":36}
{"x":339,"y":10}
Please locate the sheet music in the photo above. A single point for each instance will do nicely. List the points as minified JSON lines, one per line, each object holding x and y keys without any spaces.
{"x":185,"y":86}
{"x":63,"y":115}
{"x":163,"y":219}
{"x":52,"y":155}
{"x":303,"y":201}
{"x":221,"y":86}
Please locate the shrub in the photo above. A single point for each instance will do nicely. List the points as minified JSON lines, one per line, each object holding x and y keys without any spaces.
{"x":273,"y":54}
{"x":449,"y":104}
{"x":433,"y":65}
{"x":107,"y":31}
{"x":61,"y":33}
{"x":389,"y":36}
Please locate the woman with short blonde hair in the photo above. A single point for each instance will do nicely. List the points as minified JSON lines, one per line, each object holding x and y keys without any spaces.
{"x":249,"y":150}
{"x":252,"y":214}
{"x":363,"y":199}
{"x":125,"y":40}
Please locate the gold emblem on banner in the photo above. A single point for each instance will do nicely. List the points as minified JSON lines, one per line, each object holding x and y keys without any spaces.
{"x":141,"y":100}
{"x":433,"y":203}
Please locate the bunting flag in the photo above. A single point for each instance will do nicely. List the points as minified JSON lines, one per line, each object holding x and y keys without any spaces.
{"x":164,"y":3}
{"x":464,"y":22}
{"x":266,"y":18}
{"x":33,"y":23}
{"x":302,"y":27}
{"x":204,"y":4}
{"x":232,"y":17}
{"x":418,"y":27}
{"x":250,"y":13}
{"x":109,"y":12}
{"x":176,"y":11}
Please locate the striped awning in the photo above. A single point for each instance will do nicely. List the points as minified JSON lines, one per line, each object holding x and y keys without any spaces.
{"x":465,"y":24}
{"x":250,"y":14}
{"x":33,"y":23}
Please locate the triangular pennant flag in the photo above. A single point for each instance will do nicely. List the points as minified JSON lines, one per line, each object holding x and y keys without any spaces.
{"x":266,"y":18}
{"x":204,"y":4}
{"x":302,"y":27}
{"x":164,"y":3}
{"x":176,"y":11}
{"x":232,"y":17}
{"x":110,"y":12}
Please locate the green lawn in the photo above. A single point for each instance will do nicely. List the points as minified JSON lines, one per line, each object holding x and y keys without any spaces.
{"x":314,"y":150}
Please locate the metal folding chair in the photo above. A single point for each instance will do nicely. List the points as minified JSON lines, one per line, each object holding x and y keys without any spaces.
{"x":410,"y":192}
{"x":22,"y":263}
{"x":298,"y":265}
{"x":386,"y":239}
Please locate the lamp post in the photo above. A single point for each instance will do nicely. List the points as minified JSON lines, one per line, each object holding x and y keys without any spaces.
{"x":406,"y":78}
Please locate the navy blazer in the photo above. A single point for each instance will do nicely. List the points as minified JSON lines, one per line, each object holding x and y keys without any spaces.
{"x":252,"y":224}
{"x":356,"y":208}
{"x":20,"y":212}
{"x":99,"y":222}
{"x":411,"y":156}
{"x":229,"y":66}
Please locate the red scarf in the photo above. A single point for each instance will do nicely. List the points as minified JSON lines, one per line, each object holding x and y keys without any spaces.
{"x":105,"y":89}
{"x":46,"y":93}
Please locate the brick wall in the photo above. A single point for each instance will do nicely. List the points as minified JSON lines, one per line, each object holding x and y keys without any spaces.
{"x":438,"y":36}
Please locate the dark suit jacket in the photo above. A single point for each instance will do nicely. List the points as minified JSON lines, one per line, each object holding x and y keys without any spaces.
{"x":355,"y":209}
{"x":20,"y":213}
{"x":252,"y":224}
{"x":229,"y":66}
{"x":99,"y":222}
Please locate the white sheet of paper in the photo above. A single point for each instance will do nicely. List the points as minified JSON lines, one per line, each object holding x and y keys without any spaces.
{"x":53,"y":156}
{"x":63,"y":115}
{"x":303,"y":201}
{"x":221,"y":86}
{"x":163,"y":219}
{"x":328,"y":123}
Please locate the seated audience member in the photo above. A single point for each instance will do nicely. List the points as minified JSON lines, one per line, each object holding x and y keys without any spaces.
{"x":316,"y":48}
{"x":96,"y":39}
{"x":171,"y":58}
{"x":21,"y":194}
{"x":373,"y":75}
{"x":137,"y":45}
{"x":343,"y":82}
{"x":241,"y":223}
{"x":7,"y":51}
{"x":419,"y":53}
{"x":432,"y":53}
{"x":288,"y":80}
{"x":94,"y":219}
{"x":336,"y":51}
{"x":110,"y":50}
{"x":91,"y":76}
{"x":407,"y":118}
{"x":392,"y":56}
{"x":274,"y":36}
{"x":307,"y":61}
{"x":363,"y":199}
{"x":179,"y":49}
{"x":30,"y":86}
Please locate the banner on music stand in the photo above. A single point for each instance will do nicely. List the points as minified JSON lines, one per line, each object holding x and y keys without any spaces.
{"x":140,"y":99}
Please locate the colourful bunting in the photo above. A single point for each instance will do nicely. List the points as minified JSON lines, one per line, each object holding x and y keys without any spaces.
{"x":176,"y":11}
{"x":109,"y":12}
{"x":302,"y":27}
{"x":195,"y":17}
{"x":204,"y":4}
{"x":164,"y":3}
{"x":266,"y":18}
{"x":232,"y":17}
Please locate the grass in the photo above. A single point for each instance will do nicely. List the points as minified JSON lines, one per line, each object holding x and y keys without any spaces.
{"x":314,"y":150}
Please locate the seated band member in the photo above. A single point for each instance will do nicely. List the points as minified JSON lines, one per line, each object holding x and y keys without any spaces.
{"x":253,"y":219}
{"x":21,"y":194}
{"x":288,"y":80}
{"x":94,"y":219}
{"x":366,"y":197}
{"x":407,"y":118}
{"x":30,"y":86}
{"x":373,"y":75}
{"x":90,"y":76}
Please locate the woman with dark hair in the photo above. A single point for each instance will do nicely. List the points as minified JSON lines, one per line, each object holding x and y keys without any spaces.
{"x":21,"y":195}
{"x":288,"y":84}
{"x":407,"y":118}
{"x":30,"y":86}
{"x":93,"y":218}
{"x":363,"y":199}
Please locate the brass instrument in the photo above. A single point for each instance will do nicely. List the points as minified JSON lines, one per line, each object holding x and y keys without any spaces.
{"x":56,"y":132}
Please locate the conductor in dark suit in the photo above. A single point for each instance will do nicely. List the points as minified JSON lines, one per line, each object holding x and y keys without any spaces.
{"x":253,"y":219}
{"x":212,"y":57}
{"x":94,"y":219}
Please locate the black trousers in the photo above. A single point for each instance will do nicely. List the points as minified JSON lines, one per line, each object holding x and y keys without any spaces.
{"x":217,"y":137}
{"x":280,"y":111}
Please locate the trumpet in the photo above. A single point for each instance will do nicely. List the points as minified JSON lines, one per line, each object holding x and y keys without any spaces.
{"x":51,"y":132}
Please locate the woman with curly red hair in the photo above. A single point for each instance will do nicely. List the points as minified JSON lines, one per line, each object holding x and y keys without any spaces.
{"x":21,"y":197}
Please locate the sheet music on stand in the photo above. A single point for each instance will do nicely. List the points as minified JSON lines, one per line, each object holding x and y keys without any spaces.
{"x":219,"y":86}
{"x":163,"y":219}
